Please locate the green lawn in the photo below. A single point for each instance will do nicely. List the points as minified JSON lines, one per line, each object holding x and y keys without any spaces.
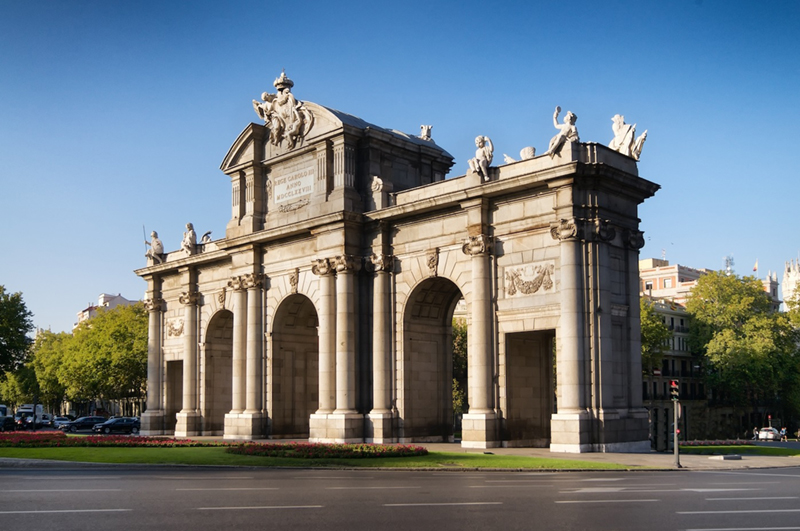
{"x":218,"y":456}
{"x":739,"y":449}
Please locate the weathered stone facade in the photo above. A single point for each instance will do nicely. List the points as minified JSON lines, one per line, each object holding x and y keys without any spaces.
{"x":325,"y":313}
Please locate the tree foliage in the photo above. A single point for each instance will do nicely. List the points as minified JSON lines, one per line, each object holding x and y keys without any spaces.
{"x":15,"y":324}
{"x":655,"y":336}
{"x":47,"y":357}
{"x":459,"y":366}
{"x":751,"y":352}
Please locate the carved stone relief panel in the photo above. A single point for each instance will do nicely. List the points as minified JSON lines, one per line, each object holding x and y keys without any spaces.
{"x":530,"y":279}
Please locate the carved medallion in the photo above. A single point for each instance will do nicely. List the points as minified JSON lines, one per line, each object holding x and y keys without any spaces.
{"x":175,"y":328}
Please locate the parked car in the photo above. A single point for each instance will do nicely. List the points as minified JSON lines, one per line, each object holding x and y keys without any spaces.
{"x":118,"y":425}
{"x":8,"y":424}
{"x":82,"y":423}
{"x":59,"y":421}
{"x":769,"y":434}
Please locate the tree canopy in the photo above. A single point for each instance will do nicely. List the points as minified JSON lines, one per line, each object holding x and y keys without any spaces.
{"x":655,"y":336}
{"x":16,"y":322}
{"x":751,"y":351}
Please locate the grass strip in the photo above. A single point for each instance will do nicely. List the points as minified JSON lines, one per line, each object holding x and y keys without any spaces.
{"x":739,"y":449}
{"x":218,"y":457}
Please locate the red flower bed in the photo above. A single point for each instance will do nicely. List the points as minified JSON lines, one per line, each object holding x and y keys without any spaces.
{"x":717,"y":442}
{"x":51,"y":439}
{"x":305,"y":450}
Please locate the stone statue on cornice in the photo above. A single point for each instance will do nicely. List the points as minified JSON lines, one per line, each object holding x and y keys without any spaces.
{"x":287,"y":118}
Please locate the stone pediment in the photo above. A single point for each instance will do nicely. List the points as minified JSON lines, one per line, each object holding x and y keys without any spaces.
{"x":255,"y":144}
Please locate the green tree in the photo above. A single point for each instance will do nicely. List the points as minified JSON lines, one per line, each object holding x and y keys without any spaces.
{"x":18,"y":387}
{"x":107,"y":356}
{"x":750,"y":351}
{"x":459,"y":366}
{"x":15,"y":325}
{"x":47,"y":357}
{"x":655,"y":336}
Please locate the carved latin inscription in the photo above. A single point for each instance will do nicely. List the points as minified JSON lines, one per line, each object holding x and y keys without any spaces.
{"x":293,"y":185}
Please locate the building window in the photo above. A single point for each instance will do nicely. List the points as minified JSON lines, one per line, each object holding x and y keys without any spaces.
{"x":648,"y":285}
{"x":667,"y":282}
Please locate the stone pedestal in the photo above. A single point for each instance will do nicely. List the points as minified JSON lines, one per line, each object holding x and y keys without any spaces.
{"x":188,"y":424}
{"x":478,"y":430}
{"x":336,"y":428}
{"x":245,"y":426}
{"x":379,"y":428}
{"x":569,"y":432}
{"x":152,"y":422}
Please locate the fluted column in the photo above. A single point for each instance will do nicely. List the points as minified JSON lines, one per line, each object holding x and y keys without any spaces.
{"x":153,"y":307}
{"x":327,"y":334}
{"x":189,"y":300}
{"x":238,"y":384}
{"x":480,"y":368}
{"x":381,"y":334}
{"x":255,"y":334}
{"x":345,"y":334}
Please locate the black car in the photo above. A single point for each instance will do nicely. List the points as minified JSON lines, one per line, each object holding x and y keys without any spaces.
{"x":8,"y":424}
{"x":82,"y":423}
{"x":118,"y":425}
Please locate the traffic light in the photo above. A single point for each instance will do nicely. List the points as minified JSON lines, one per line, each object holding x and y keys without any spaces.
{"x":674,"y":390}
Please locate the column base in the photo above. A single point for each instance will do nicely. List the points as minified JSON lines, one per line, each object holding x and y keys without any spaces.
{"x":479,"y":430}
{"x":379,"y":428}
{"x":152,"y":422}
{"x":606,"y":430}
{"x":336,"y":428}
{"x":188,"y":424}
{"x":245,"y":426}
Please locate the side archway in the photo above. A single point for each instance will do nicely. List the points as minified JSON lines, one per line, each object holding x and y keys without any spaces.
{"x":425,"y":376}
{"x":293,"y":371}
{"x":218,"y":378}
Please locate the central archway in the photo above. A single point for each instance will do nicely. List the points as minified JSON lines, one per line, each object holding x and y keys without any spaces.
{"x":293,"y":372}
{"x":217,"y":382}
{"x":425,"y":387}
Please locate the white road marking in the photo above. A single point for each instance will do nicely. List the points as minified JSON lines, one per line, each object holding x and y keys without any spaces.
{"x":439,"y":504}
{"x":744,"y":529}
{"x":606,"y":501}
{"x":260,"y":507}
{"x":62,"y":490}
{"x":369,"y":488}
{"x":754,"y":498}
{"x":235,"y":488}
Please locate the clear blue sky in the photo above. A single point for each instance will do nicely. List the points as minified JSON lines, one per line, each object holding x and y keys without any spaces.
{"x":118,"y":114}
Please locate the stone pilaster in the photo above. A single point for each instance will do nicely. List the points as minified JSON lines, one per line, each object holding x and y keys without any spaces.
{"x":188,"y":419}
{"x":153,"y":417}
{"x":380,"y":417}
{"x":479,"y":424}
{"x":318,"y":422}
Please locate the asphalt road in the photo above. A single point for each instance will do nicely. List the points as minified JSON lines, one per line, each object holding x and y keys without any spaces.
{"x":177,"y":499}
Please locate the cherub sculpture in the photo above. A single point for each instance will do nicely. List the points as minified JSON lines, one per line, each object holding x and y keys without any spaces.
{"x":483,"y":157}
{"x":625,"y":140}
{"x":567,"y":132}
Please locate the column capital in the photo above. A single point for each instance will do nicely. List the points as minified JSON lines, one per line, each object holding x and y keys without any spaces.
{"x":189,"y":297}
{"x":322,"y":266}
{"x":379,"y":262}
{"x":567,"y":229}
{"x":154,"y":304}
{"x":347,"y":263}
{"x":478,"y":245}
{"x":237,"y":283}
{"x":634,"y":239}
{"x":254,"y":280}
{"x":602,"y":230}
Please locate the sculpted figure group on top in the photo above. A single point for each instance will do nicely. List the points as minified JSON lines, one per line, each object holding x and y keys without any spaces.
{"x":287,"y":118}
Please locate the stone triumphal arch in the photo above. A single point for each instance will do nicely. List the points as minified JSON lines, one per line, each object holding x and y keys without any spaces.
{"x":326,"y":311}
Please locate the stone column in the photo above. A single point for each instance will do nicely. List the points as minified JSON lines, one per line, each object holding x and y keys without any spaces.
{"x":255,"y":335}
{"x":380,"y":417}
{"x":233,"y":427}
{"x":570,"y":424}
{"x":188,"y":418}
{"x":345,"y":335}
{"x":478,"y":426}
{"x":327,"y":335}
{"x":153,"y":417}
